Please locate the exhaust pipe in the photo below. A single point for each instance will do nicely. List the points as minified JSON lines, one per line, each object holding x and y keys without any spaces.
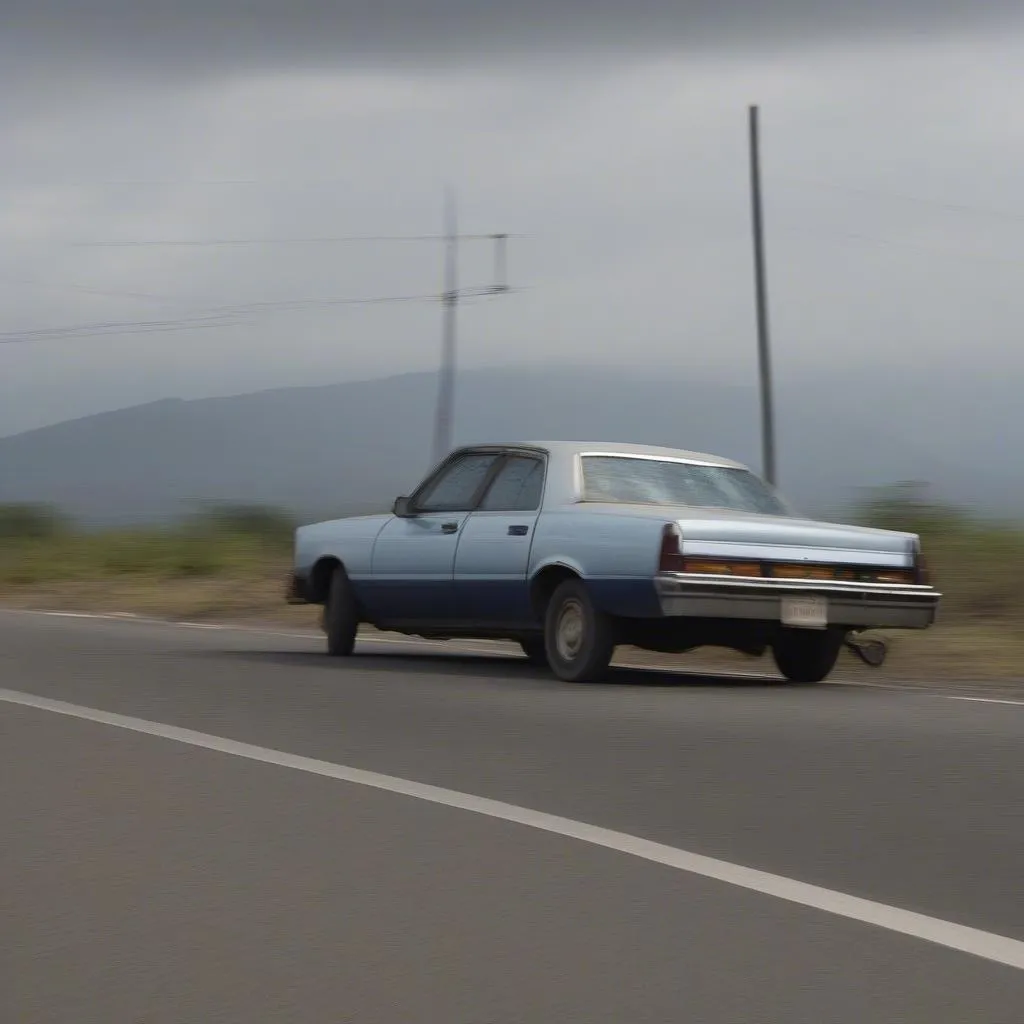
{"x":870,"y":650}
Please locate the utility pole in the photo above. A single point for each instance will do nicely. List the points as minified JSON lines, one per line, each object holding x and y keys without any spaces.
{"x":449,"y":302}
{"x":761,"y":284}
{"x":450,"y":297}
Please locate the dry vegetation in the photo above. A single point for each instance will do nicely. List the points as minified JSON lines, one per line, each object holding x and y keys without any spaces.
{"x":230,"y":564}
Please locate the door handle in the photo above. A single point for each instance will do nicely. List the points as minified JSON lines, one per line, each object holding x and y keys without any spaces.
{"x":518,"y":530}
{"x":449,"y":527}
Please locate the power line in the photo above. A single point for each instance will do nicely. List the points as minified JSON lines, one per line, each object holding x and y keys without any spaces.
{"x":229,"y":316}
{"x":956,"y":207}
{"x":99,"y":292}
{"x":104,"y":329}
{"x":303,"y":305}
{"x":224,"y":316}
{"x":330,"y":240}
{"x":221,"y":316}
{"x":173,"y":182}
{"x":899,"y":243}
{"x":289,"y":305}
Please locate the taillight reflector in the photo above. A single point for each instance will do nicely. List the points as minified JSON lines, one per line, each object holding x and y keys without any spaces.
{"x":671,"y":557}
{"x":722,"y":568}
{"x":808,"y":572}
{"x":895,"y":576}
{"x":797,"y":571}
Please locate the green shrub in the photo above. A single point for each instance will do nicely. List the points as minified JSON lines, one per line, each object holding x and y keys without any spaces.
{"x":35,"y":548}
{"x":907,"y":506}
{"x":28,"y":522}
{"x":978,"y":564}
{"x":272,"y":526}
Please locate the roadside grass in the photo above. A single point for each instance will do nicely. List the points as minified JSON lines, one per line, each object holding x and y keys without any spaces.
{"x":223,"y":561}
{"x":230,"y":563}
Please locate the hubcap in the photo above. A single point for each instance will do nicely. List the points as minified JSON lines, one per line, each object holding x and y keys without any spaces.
{"x":570,"y":630}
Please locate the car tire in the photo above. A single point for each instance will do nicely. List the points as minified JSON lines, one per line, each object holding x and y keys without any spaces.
{"x":535,"y":650}
{"x":579,"y":638}
{"x":806,"y":655}
{"x":341,"y":616}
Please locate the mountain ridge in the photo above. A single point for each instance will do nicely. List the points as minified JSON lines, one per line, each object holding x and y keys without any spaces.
{"x":329,"y":447}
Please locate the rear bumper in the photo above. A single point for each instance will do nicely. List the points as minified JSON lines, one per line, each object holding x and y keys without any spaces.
{"x":854,"y":605}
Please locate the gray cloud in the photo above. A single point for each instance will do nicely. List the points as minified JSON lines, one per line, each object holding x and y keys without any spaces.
{"x":198,"y":37}
{"x":629,"y":181}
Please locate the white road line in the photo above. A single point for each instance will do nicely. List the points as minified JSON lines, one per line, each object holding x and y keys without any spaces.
{"x":66,"y":615}
{"x":988,"y":945}
{"x":486,"y":647}
{"x":921,"y":691}
{"x":981,"y":700}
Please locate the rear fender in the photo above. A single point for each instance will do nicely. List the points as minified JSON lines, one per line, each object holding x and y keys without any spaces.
{"x":617,"y":556}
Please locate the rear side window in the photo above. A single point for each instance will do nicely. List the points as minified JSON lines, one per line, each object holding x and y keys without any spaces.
{"x":517,"y":487}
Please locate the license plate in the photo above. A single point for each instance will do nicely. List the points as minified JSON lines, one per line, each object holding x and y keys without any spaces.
{"x":805,"y":612}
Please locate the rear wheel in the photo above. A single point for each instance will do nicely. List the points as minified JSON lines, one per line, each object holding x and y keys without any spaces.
{"x":806,"y":655}
{"x":341,"y":616}
{"x":578,"y":637}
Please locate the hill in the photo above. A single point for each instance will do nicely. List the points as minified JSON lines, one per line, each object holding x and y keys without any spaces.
{"x":343,"y":448}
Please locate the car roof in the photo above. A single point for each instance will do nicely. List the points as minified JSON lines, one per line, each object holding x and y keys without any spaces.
{"x":572,"y":448}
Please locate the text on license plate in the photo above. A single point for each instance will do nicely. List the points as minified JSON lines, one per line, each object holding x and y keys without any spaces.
{"x":809,"y":611}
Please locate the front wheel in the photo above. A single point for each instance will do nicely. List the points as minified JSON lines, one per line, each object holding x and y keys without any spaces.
{"x":341,"y":616}
{"x":805,"y":655}
{"x":579,"y":638}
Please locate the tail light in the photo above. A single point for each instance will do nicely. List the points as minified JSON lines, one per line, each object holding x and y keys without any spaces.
{"x":718,"y":568}
{"x":671,"y":556}
{"x":924,"y":575}
{"x":893,"y":576}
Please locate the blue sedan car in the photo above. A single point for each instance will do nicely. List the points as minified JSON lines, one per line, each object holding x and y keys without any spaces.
{"x":570,"y":549}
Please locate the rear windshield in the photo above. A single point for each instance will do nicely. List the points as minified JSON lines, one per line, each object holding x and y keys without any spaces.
{"x":639,"y":481}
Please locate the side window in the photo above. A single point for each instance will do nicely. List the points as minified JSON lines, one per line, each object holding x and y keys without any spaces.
{"x":456,"y":487}
{"x":517,"y":486}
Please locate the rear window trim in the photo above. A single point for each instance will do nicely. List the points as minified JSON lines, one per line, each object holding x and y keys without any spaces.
{"x":679,"y":460}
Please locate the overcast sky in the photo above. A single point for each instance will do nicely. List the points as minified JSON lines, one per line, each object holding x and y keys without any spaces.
{"x":611,"y":136}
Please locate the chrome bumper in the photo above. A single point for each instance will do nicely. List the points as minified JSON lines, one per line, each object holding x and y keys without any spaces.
{"x":854,"y":605}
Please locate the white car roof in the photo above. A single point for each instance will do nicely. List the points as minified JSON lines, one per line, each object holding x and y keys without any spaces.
{"x":572,"y":448}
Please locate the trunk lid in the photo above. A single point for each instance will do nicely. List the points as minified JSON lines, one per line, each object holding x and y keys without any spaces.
{"x":725,"y":533}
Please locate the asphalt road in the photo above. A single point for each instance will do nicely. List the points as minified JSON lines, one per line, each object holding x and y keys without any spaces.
{"x":150,"y":879}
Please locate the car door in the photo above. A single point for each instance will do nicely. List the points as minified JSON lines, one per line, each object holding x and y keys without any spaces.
{"x":413,"y":560}
{"x":494,"y":551}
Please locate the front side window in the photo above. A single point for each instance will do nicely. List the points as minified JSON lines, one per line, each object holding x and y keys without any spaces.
{"x":640,"y":481}
{"x":517,"y":487}
{"x":455,"y":489}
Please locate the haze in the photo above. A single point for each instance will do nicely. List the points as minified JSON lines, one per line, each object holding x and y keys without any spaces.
{"x":613,"y":141}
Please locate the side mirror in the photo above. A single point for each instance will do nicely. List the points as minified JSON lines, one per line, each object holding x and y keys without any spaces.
{"x":403,"y":508}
